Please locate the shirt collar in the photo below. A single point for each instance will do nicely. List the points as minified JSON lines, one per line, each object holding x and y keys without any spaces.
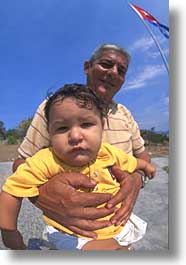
{"x":112,"y":107}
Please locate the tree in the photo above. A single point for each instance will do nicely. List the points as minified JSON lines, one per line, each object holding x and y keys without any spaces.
{"x":150,"y":136}
{"x":2,"y":130}
{"x":11,"y":139}
{"x":23,"y":127}
{"x":12,"y":133}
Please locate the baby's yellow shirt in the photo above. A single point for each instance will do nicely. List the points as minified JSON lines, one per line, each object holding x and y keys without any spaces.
{"x":39,"y":168}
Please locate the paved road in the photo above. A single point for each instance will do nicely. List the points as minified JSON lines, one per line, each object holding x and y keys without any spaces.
{"x":152,"y":206}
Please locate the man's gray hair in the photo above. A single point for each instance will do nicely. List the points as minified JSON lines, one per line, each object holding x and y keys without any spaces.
{"x":109,"y":46}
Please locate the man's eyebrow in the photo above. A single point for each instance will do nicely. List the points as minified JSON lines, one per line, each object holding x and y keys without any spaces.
{"x":105,"y":59}
{"x":124,"y":67}
{"x":109,"y":60}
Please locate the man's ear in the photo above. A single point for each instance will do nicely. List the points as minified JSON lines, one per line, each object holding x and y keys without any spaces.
{"x":86,"y":66}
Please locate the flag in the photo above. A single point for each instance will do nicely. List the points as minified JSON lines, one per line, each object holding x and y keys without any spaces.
{"x":147,"y":16}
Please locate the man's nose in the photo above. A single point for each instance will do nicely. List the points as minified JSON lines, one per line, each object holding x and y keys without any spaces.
{"x":113,"y":71}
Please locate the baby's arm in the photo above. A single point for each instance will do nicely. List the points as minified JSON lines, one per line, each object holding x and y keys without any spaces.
{"x":148,"y":168}
{"x":9,"y":210}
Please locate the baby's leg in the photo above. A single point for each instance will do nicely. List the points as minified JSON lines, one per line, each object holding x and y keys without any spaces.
{"x":104,"y":244}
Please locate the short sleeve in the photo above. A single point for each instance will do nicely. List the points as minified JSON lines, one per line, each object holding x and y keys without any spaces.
{"x":37,"y":136}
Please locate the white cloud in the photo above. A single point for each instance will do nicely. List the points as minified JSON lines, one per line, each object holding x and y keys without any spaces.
{"x":156,"y":54}
{"x":143,"y":43}
{"x":154,"y":116}
{"x":166,"y":101}
{"x":147,"y":45}
{"x":148,"y":73}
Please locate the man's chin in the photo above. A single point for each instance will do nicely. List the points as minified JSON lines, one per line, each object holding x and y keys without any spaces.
{"x":102,"y":92}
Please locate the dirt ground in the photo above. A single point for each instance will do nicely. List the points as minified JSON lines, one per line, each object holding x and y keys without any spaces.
{"x":158,"y":150}
{"x":9,"y":152}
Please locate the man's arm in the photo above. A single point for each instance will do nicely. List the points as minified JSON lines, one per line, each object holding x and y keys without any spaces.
{"x":130,"y":185}
{"x":60,"y":201}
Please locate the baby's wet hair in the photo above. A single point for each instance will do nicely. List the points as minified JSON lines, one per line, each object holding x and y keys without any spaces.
{"x":82,"y":94}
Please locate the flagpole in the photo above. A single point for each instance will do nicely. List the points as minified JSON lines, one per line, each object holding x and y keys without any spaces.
{"x":157,"y":44}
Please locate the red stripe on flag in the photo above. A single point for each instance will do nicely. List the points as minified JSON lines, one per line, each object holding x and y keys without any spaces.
{"x":144,"y":14}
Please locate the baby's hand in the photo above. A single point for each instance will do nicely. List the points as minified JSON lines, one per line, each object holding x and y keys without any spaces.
{"x":150,"y":170}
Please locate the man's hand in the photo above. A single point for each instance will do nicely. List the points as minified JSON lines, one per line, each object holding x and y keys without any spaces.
{"x":60,"y":201}
{"x":130,"y":185}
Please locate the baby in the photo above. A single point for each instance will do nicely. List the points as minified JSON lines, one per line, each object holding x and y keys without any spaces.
{"x":75,"y":119}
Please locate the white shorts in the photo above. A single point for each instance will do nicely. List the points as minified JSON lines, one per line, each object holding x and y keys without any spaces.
{"x":133,"y":231}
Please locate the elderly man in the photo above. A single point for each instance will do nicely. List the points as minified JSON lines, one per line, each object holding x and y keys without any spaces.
{"x":105,"y":71}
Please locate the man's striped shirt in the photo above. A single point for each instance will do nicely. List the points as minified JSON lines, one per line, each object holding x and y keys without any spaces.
{"x":120,"y":130}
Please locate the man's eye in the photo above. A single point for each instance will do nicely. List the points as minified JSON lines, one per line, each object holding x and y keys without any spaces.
{"x":106,"y":65}
{"x":121,"y":71}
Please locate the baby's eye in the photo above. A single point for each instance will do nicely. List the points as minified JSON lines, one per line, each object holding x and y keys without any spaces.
{"x":86,"y":124}
{"x":62,"y":129}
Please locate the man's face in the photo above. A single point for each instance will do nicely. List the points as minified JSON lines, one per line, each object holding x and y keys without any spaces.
{"x":106,"y":74}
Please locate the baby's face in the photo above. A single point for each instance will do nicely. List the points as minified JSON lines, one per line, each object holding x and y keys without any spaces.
{"x":75,"y":132}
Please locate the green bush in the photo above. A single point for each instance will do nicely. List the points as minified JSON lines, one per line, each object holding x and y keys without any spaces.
{"x":166,"y":168}
{"x":151,"y":136}
{"x":11,"y":139}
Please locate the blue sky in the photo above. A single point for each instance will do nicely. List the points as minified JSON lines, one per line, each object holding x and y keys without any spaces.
{"x":44,"y":43}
